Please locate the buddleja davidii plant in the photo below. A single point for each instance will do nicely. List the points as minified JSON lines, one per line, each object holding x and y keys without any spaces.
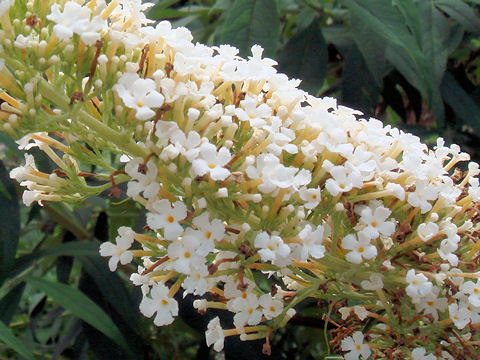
{"x":243,"y":176}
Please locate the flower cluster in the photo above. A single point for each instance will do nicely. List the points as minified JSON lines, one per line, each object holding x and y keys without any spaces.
{"x":244,"y":176}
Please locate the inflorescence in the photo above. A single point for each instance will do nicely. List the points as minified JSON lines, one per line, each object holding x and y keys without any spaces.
{"x":244,"y":177}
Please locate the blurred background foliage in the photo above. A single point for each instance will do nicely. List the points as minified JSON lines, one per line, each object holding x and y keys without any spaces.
{"x":414,"y":64}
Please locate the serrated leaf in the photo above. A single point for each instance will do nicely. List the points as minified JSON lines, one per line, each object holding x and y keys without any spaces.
{"x":250,"y":22}
{"x":79,"y":305}
{"x":9,"y":223}
{"x":305,"y":57}
{"x":11,"y":341}
{"x":461,"y":12}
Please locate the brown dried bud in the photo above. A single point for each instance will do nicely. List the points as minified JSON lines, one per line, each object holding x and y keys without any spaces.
{"x":266,"y":350}
{"x":457,"y":175}
{"x":142,"y":168}
{"x":32,"y":20}
{"x":115,"y":193}
{"x":245,"y":249}
{"x":168,"y":68}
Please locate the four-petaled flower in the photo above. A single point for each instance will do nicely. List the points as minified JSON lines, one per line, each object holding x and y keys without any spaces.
{"x":212,"y":162}
{"x":139,"y":94}
{"x":160,"y":303}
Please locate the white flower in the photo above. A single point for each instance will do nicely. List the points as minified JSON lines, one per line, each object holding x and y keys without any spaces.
{"x":76,"y":19}
{"x":214,"y":334}
{"x":183,"y":253}
{"x":472,"y":289}
{"x":146,"y":182}
{"x":474,"y":189}
{"x":345,"y":312}
{"x":196,"y":282}
{"x":118,"y":251}
{"x":247,"y":311}
{"x":231,"y":289}
{"x":144,"y":281}
{"x":354,"y":344}
{"x":373,"y":218}
{"x":271,"y":247}
{"x":20,"y":173}
{"x":139,"y":94}
{"x":160,"y":303}
{"x":312,"y":196}
{"x":187,"y":145}
{"x":360,"y":249}
{"x":424,"y":192}
{"x":208,"y":232}
{"x":432,"y":304}
{"x":361,"y":312}
{"x":312,"y":239}
{"x":344,"y":178}
{"x":5,"y":6}
{"x":167,"y":217}
{"x":212,"y":162}
{"x":418,"y":285}
{"x":271,"y":307}
{"x":427,"y":230}
{"x":419,"y":353}
{"x":275,"y":175}
{"x":253,"y":114}
{"x":459,"y":315}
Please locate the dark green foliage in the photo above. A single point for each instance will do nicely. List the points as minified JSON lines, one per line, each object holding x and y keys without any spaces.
{"x":411,"y":63}
{"x":9,"y":223}
{"x":305,"y":57}
{"x":250,"y":22}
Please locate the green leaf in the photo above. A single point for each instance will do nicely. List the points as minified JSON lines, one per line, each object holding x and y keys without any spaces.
{"x":122,"y":214}
{"x":9,"y":223}
{"x":163,"y":4}
{"x":359,"y":89}
{"x":372,"y":48}
{"x":438,"y":41}
{"x":10,"y":340}
{"x":250,"y":22}
{"x":409,"y":11}
{"x":9,"y":303}
{"x":461,"y":12}
{"x":111,"y":287}
{"x":305,"y":57}
{"x":162,"y":14}
{"x":73,"y":248}
{"x":64,"y":215}
{"x":81,"y":306}
{"x":462,"y":103}
{"x":382,"y":18}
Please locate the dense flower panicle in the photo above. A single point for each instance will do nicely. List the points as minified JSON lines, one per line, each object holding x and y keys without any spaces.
{"x":244,"y":176}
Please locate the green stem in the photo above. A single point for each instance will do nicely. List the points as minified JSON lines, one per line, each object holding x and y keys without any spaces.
{"x":124,"y":142}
